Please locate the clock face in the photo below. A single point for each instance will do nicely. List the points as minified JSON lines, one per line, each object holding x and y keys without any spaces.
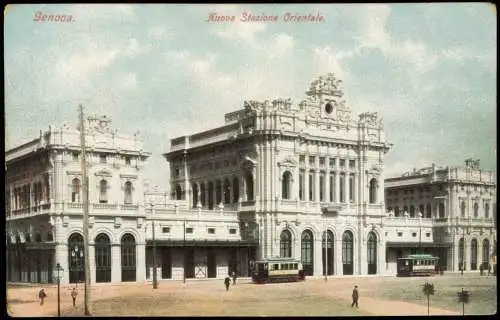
{"x":329,"y":108}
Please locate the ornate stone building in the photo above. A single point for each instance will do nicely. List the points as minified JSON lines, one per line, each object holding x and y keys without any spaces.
{"x":295,"y":180}
{"x":44,"y":205}
{"x":449,"y":212}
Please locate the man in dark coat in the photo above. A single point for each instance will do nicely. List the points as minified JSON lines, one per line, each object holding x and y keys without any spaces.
{"x":42,"y":295}
{"x":74,"y":293}
{"x":227,"y":282}
{"x":355,"y":296}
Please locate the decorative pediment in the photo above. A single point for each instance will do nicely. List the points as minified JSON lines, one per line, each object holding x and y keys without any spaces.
{"x":288,"y":162}
{"x":104,"y":173}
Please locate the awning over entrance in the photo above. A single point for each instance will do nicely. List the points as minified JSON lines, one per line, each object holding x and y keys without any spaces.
{"x":203,"y":243}
{"x":417,"y":245}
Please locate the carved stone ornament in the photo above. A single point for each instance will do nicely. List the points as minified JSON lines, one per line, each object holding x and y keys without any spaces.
{"x":104,"y":173}
{"x":289,"y":162}
{"x":370,"y":119}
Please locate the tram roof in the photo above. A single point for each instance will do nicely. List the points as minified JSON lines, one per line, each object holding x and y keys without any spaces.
{"x":420,"y":256}
{"x":278,"y":259}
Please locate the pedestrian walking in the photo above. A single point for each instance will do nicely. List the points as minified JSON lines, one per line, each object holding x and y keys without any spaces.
{"x":355,"y":297}
{"x":489,"y":268}
{"x":42,"y":295}
{"x":227,"y":282}
{"x":234,"y":277}
{"x":74,"y":293}
{"x":481,"y":269}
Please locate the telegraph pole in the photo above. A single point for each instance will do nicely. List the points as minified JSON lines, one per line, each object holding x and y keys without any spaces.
{"x":184,"y":249}
{"x":85,"y":182}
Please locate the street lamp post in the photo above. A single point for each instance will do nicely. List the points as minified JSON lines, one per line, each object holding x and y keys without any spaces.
{"x":59,"y":269}
{"x":184,"y":251}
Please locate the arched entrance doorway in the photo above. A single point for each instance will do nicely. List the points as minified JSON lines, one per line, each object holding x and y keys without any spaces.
{"x":347,"y":253}
{"x":328,"y":255}
{"x":372,"y":253}
{"x":128,"y":258}
{"x":285,"y":244}
{"x":307,"y":249}
{"x":102,"y":258}
{"x":76,"y":258}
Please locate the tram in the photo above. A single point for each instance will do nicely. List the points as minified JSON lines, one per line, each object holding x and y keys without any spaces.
{"x":277,"y":270}
{"x":417,"y":265}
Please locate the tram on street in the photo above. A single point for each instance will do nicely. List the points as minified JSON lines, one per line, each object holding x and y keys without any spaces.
{"x":277,"y":270}
{"x":417,"y":265}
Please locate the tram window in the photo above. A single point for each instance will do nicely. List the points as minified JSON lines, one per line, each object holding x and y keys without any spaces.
{"x":406,"y":262}
{"x":295,"y":266}
{"x":265,"y":266}
{"x":276,"y":266}
{"x":285,"y":266}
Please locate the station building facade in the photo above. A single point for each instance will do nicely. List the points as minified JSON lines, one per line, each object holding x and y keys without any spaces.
{"x":44,"y":210}
{"x":296,"y":180}
{"x":449,"y":212}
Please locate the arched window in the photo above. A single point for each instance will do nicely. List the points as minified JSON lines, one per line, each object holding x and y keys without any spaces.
{"x":486,"y":210}
{"x":76,"y":258}
{"x":412,"y":211}
{"x":328,"y":254}
{"x":285,"y":244}
{"x":236,"y":190}
{"x":372,"y":253}
{"x":103,"y":191}
{"x":429,"y":211}
{"x":75,"y":190}
{"x":396,"y":211}
{"x":486,"y":251}
{"x":286,"y":185}
{"x":38,"y":237}
{"x":102,"y":258}
{"x":441,"y":210}
{"x":373,"y":190}
{"x":347,"y":252}
{"x":128,"y":258}
{"x":473,"y":254}
{"x":227,"y":191}
{"x":461,"y":254}
{"x":249,"y":186}
{"x":462,"y":209}
{"x":218,"y":192}
{"x":49,"y":236}
{"x":178,"y":192}
{"x":202,"y":194}
{"x":128,"y":192}
{"x":421,"y":209}
{"x":307,"y":249}
{"x":476,"y":210}
{"x":342,"y":187}
{"x":195,"y":194}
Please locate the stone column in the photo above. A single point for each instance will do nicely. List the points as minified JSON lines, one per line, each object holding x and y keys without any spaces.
{"x":61,"y":257}
{"x":326,"y":182}
{"x":296,"y":186}
{"x":346,"y":187}
{"x":198,"y":194}
{"x":317,"y":258}
{"x":141,"y":262}
{"x":116,"y":263}
{"x":337,"y":180}
{"x":306,"y":181}
{"x":338,"y":255}
{"x":92,"y":262}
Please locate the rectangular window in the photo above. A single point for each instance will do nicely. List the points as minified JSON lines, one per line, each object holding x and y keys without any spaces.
{"x":428,"y":234}
{"x":102,"y":158}
{"x":127,"y":161}
{"x":414,"y":234}
{"x":352,"y":164}
{"x":351,"y":188}
{"x":332,"y":188}
{"x":276,"y":266}
{"x":211,"y":230}
{"x":177,"y":172}
{"x":232,"y":231}
{"x":189,"y":230}
{"x":75,"y":156}
{"x":342,"y":163}
{"x":341,"y":186}
{"x":400,"y":234}
{"x":332,"y":162}
{"x":312,"y":161}
{"x":165,"y":230}
{"x":321,"y":188}
{"x":301,"y":185}
{"x":311,"y":186}
{"x":321,"y":161}
{"x":302,"y":159}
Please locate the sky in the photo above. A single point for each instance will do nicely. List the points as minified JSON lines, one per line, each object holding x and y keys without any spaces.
{"x":162,"y":69}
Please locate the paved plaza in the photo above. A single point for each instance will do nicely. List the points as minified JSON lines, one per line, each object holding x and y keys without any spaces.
{"x":382,"y":296}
